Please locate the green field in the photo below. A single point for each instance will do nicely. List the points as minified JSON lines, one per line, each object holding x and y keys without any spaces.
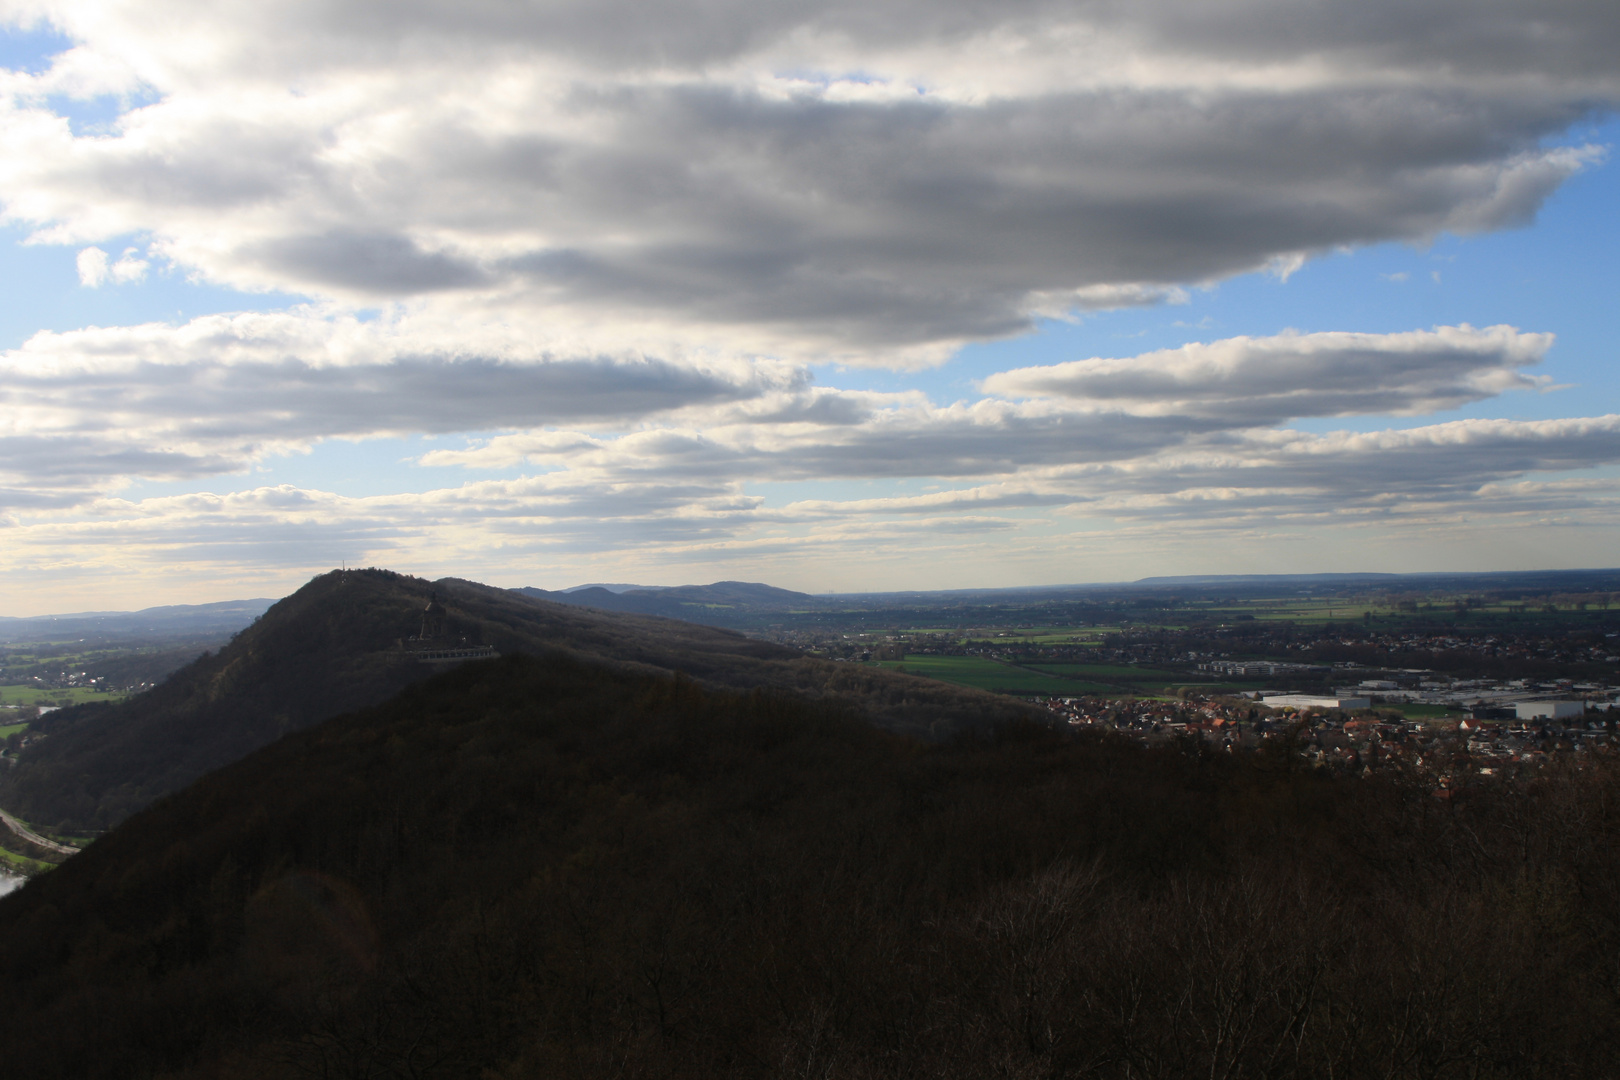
{"x":1115,"y":673}
{"x":1042,"y":635}
{"x":25,"y":694}
{"x":1413,"y":711}
{"x":982,"y":673}
{"x":23,"y":862}
{"x":11,"y":729}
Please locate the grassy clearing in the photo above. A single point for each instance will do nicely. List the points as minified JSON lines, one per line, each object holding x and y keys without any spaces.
{"x":11,"y":729}
{"x":975,"y":671}
{"x":1117,"y":673}
{"x":1063,"y":635}
{"x":23,"y":862}
{"x":27,"y":694}
{"x":1415,"y":711}
{"x":1048,"y":680}
{"x":982,"y":673}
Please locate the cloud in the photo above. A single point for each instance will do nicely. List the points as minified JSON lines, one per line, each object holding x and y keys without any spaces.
{"x":94,"y":268}
{"x":92,"y":263}
{"x":605,"y":241}
{"x":714,"y":176}
{"x":1040,"y":459}
{"x":677,"y":509}
{"x":1288,"y":473}
{"x":904,"y":438}
{"x":87,"y":410}
{"x":377,"y":264}
{"x":1257,"y":381}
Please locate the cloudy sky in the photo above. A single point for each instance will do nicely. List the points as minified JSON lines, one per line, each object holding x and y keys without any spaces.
{"x":839,"y":296}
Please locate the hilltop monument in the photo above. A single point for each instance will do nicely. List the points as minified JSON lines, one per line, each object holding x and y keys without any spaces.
{"x":433,"y":617}
{"x":438,"y":642}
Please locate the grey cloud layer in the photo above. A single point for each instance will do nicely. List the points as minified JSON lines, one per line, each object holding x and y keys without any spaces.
{"x":291,"y":400}
{"x":84,"y":411}
{"x":88,"y":410}
{"x":1260,"y":381}
{"x":625,"y":500}
{"x":661,"y":501}
{"x":1289,"y":472}
{"x":705,"y":172}
{"x":1446,"y":462}
{"x":638,"y":218}
{"x":1494,"y":35}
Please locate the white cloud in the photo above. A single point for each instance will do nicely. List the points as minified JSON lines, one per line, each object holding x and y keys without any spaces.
{"x":129,"y":268}
{"x":95,"y":270}
{"x":92,"y":263}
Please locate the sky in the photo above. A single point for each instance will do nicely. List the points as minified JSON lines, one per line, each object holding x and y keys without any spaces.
{"x":836,"y":296}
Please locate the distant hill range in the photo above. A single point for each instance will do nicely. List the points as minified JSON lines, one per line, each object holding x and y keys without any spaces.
{"x":337,"y":645}
{"x":747,"y":605}
{"x":173,"y":621}
{"x":715,"y":604}
{"x":1499,"y":581}
{"x":740,"y":604}
{"x":1270,"y":579}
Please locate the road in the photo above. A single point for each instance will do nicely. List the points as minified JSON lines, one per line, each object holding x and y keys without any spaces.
{"x":33,"y":837}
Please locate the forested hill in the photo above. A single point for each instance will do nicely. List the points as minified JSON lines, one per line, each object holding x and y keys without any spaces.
{"x":333,"y":646}
{"x":541,"y":867}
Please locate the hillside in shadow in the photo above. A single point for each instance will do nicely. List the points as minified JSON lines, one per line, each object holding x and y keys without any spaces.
{"x":543,"y":867}
{"x":335,"y":645}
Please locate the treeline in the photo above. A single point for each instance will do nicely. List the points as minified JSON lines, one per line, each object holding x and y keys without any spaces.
{"x":543,"y":868}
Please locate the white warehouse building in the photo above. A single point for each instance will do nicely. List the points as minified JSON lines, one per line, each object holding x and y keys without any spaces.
{"x":1308,"y":701}
{"x":1548,"y":710}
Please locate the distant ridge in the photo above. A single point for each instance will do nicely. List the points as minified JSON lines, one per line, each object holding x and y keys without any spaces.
{"x":718,"y":604}
{"x":750,"y":605}
{"x":1499,"y":578}
{"x":223,"y":617}
{"x":1278,"y":579}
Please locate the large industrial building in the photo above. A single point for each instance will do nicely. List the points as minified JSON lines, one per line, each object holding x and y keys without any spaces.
{"x":1548,"y":710}
{"x":1311,"y":701}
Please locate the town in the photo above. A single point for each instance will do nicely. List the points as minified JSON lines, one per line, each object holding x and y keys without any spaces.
{"x":1449,"y":690}
{"x":1356,"y":735}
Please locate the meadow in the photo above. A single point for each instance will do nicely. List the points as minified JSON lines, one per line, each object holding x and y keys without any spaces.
{"x":17,"y":694}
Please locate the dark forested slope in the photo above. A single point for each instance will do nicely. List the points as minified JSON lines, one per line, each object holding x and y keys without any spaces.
{"x":333,"y":646}
{"x":540,"y":867}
